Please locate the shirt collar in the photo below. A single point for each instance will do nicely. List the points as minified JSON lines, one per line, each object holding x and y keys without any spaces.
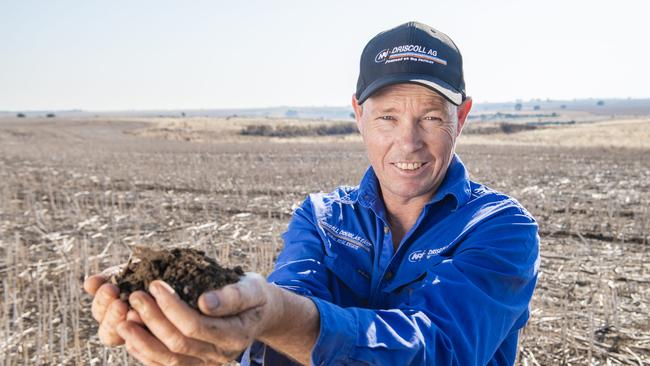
{"x":455,"y":184}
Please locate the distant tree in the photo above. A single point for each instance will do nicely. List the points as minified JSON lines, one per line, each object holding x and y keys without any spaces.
{"x":182,"y":114}
{"x":351,"y":114}
{"x":50,"y":115}
{"x":292,"y":131}
{"x":536,"y":108}
{"x":518,"y":106}
{"x":291,"y":113}
{"x":20,"y":115}
{"x":600,"y":103}
{"x":563,"y":106}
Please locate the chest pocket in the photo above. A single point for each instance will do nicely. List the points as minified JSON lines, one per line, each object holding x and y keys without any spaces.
{"x":399,"y":291}
{"x":352,"y":282}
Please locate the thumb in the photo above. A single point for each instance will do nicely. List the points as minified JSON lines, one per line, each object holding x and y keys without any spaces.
{"x":235,"y":298}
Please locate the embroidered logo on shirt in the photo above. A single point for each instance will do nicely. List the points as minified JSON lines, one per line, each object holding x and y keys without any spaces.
{"x":421,"y":254}
{"x":346,"y":238}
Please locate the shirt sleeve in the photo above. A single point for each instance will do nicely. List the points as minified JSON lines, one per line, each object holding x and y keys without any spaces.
{"x":299,"y":269}
{"x":458,"y":313}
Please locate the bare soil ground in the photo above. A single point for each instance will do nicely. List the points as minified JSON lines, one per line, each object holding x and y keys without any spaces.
{"x":76,"y":195}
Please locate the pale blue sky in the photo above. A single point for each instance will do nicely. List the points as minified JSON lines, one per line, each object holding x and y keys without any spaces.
{"x":119,"y":54}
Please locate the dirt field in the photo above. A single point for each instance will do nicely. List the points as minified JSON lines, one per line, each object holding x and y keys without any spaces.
{"x":76,"y":194}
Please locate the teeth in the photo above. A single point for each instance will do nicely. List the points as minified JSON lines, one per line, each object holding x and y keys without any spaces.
{"x":409,"y":166}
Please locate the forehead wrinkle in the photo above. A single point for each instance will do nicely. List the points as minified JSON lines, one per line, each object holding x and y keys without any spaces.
{"x":431,"y":106}
{"x":427,"y":98}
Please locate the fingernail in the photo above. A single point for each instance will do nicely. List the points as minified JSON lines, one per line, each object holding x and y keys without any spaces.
{"x":211,"y":300}
{"x":154,"y":289}
{"x":157,"y":288}
{"x":134,"y":301}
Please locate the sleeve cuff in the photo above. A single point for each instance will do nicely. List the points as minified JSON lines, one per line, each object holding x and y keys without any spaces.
{"x":338,"y":334}
{"x":253,"y":355}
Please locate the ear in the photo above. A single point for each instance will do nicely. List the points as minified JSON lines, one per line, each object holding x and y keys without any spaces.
{"x":358,"y":110}
{"x":463,"y":111}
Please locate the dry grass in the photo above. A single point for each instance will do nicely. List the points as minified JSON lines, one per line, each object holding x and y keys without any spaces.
{"x":75,"y":195}
{"x":210,"y":129}
{"x":625,"y":133}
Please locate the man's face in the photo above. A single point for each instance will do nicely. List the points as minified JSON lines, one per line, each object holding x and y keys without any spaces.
{"x":410,"y":135}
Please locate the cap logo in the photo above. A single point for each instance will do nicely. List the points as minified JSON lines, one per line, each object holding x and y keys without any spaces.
{"x":409,"y":52}
{"x":381,"y":56}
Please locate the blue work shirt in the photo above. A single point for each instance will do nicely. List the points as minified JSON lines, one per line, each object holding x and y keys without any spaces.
{"x":455,"y":292}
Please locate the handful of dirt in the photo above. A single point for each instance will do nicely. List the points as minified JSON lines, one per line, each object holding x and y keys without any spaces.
{"x":188,"y":271}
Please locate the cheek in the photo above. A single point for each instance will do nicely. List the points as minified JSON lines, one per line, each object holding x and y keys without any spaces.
{"x":376,"y":151}
{"x":377,"y":141}
{"x":441,"y":139}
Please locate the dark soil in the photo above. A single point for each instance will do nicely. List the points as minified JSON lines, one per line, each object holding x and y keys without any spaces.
{"x":188,"y":271}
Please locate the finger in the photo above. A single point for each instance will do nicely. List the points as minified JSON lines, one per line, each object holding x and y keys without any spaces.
{"x":133,"y":316}
{"x":168,"y":334}
{"x":178,"y":312}
{"x":149,"y":348}
{"x":138,"y":356}
{"x":115,"y":314}
{"x":235,"y":298}
{"x":92,"y":283}
{"x":106,"y":294}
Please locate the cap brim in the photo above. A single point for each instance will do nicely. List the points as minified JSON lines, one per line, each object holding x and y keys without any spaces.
{"x":437,"y":85}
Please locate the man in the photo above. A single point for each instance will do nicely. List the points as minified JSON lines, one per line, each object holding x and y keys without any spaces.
{"x":417,"y":265}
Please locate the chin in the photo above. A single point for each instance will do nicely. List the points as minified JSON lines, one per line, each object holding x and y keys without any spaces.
{"x":405,"y":191}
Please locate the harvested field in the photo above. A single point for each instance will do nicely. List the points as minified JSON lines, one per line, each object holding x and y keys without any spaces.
{"x":75,"y":195}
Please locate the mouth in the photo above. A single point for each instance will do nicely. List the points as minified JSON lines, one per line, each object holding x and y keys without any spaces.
{"x":409,"y":166}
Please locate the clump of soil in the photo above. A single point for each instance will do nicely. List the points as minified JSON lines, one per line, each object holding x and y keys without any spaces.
{"x":188,"y":271}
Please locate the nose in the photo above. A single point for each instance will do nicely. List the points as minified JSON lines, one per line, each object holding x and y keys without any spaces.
{"x":410,"y":137}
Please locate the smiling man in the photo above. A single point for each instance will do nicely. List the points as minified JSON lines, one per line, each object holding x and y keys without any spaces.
{"x":417,"y":265}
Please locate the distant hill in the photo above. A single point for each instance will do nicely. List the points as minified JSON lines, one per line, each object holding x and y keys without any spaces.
{"x":630,"y":106}
{"x":602,"y":107}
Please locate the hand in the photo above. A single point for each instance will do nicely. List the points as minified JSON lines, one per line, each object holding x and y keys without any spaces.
{"x":107,"y":308}
{"x":237,"y":314}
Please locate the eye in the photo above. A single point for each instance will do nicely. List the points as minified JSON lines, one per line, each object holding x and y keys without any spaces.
{"x":387,"y":118}
{"x":433,"y":118}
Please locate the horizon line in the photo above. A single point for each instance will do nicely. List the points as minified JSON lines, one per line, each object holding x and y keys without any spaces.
{"x":486,"y":102}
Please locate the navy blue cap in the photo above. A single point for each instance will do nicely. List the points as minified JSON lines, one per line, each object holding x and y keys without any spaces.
{"x":412,"y":53}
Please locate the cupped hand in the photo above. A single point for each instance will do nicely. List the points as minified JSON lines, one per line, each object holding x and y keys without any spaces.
{"x":107,"y":308}
{"x":231,"y":318}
